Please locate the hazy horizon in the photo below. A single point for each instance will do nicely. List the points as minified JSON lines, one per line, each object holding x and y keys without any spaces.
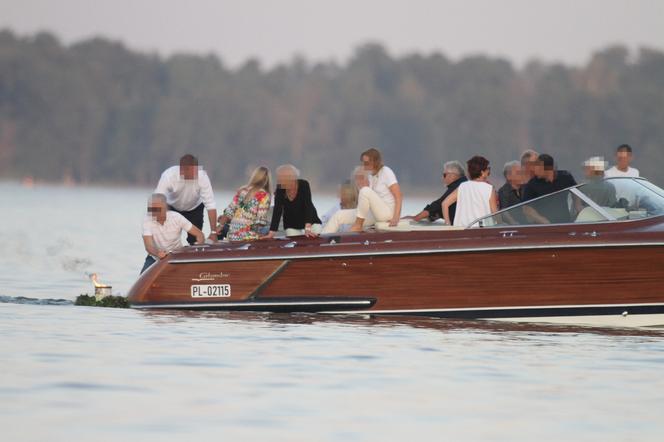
{"x":518,"y":30}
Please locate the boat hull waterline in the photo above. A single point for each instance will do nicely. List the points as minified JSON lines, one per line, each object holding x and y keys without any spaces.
{"x":597,"y":275}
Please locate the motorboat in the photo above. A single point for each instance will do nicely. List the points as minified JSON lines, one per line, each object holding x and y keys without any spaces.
{"x":589,"y":254}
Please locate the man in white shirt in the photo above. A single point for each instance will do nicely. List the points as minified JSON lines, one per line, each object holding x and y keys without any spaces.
{"x":162,"y":230}
{"x":188,"y":190}
{"x":623,"y":161}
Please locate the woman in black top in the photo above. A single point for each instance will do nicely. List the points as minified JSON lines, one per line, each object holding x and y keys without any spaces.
{"x":292,"y":200}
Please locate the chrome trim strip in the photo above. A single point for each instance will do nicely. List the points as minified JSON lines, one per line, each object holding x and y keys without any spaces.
{"x":525,"y":307}
{"x":253,"y":304}
{"x":411,"y":252}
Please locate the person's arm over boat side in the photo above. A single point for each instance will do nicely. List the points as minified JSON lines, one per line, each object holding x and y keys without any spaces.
{"x":207,"y":195}
{"x":447,"y":202}
{"x":277,"y":212}
{"x":310,"y":213}
{"x":152,"y":249}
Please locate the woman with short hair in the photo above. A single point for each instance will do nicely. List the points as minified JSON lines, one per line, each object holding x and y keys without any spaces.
{"x":247,"y":212}
{"x":474,"y":198}
{"x":292,"y":201}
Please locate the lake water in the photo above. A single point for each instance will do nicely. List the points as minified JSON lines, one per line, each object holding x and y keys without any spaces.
{"x":76,"y":373}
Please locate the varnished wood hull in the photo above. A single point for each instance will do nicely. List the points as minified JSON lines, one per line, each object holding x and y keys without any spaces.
{"x":486,"y":273}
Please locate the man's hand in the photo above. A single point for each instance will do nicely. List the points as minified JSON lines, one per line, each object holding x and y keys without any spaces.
{"x":213,"y":236}
{"x":162,"y":254}
{"x":308,"y":233}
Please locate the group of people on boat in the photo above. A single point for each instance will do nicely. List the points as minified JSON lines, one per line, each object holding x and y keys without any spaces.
{"x":372,"y":195}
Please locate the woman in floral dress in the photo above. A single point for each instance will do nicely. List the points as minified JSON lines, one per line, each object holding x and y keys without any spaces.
{"x":247,"y":213}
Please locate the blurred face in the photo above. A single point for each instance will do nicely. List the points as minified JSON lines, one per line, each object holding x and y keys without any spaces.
{"x":367,"y":163}
{"x":189,"y":172}
{"x":529,"y":167}
{"x":515,"y":176}
{"x":156,"y":209}
{"x":450,"y":176}
{"x":623,"y":159}
{"x":361,"y":180}
{"x":538,"y":169}
{"x":286,"y":179}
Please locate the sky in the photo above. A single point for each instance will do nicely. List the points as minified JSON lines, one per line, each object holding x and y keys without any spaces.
{"x":276,"y":30}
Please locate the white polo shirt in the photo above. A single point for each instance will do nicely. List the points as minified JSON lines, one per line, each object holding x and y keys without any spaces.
{"x":167,"y":236}
{"x":615,"y":172}
{"x":185,"y":195}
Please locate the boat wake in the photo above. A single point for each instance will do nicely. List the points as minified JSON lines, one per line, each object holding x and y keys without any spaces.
{"x":34,"y":301}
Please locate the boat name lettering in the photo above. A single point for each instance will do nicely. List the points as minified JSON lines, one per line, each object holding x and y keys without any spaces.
{"x":208,"y":276}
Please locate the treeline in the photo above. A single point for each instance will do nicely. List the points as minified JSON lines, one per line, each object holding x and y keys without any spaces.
{"x":99,"y":112}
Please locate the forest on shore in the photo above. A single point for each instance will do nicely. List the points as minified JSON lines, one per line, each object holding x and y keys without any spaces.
{"x":98,"y":112}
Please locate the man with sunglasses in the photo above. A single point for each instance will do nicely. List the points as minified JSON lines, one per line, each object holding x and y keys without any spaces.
{"x":453,"y":175}
{"x":163,"y":228}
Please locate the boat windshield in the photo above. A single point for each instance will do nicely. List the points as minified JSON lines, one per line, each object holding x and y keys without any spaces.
{"x":600,"y":200}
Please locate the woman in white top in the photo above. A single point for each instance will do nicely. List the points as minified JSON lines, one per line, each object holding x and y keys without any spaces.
{"x":474,"y":198}
{"x":379,"y":197}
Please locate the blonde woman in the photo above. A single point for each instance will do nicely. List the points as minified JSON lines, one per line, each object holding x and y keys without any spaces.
{"x":347,"y":201}
{"x":247,"y":213}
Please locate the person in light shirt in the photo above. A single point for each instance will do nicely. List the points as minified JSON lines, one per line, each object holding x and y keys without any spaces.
{"x":162,"y":230}
{"x":622,"y":168}
{"x":379,"y":200}
{"x":188,"y":192}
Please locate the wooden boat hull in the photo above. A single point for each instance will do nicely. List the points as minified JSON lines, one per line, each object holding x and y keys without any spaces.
{"x":490,"y":277}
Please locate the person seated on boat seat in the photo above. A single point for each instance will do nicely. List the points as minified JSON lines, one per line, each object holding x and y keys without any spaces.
{"x":247,"y":212}
{"x":347,"y":201}
{"x":188,"y":191}
{"x":510,"y":193}
{"x":342,"y":220}
{"x":292,"y":202}
{"x":162,"y":230}
{"x":380,"y":200}
{"x":597,"y":188}
{"x":548,"y":179}
{"x":528,"y":164}
{"x":453,"y":175}
{"x":475,"y":198}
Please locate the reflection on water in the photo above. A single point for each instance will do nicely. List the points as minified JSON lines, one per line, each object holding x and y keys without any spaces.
{"x":109,"y":374}
{"x":80,"y":373}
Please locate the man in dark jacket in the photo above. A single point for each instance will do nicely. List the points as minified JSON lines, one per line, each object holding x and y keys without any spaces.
{"x":453,"y":175}
{"x":548,"y":179}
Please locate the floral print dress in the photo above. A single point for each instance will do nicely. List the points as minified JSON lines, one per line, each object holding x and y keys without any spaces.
{"x":247,"y":215}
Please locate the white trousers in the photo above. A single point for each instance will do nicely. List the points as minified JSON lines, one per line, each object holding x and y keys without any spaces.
{"x":370,"y":207}
{"x":315,"y":228}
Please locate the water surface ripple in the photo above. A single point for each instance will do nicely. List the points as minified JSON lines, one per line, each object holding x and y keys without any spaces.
{"x":72,"y":373}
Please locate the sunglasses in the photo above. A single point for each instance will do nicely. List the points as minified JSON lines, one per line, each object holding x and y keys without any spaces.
{"x":154,"y":209}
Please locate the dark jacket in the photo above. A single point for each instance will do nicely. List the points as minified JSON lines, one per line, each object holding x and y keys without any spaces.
{"x":435,"y":208}
{"x":509,"y":196}
{"x":296,"y":213}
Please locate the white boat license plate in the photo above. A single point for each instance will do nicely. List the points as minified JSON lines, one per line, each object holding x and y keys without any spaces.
{"x":211,"y":291}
